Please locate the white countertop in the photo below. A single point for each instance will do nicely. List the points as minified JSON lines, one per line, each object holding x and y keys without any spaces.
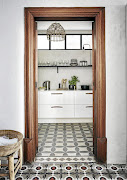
{"x":64,"y":90}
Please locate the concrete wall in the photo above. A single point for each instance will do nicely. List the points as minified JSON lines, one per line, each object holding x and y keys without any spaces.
{"x":12,"y":68}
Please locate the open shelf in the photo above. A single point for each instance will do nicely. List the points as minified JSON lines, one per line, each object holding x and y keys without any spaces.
{"x":65,"y":66}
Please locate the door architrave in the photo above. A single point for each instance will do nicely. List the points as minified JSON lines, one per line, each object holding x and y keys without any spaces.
{"x":97,"y":14}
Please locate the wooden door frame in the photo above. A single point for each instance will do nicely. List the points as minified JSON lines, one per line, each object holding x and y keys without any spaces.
{"x":63,"y":13}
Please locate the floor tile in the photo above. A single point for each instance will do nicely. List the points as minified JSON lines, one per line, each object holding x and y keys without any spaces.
{"x":81,"y":149}
{"x":59,"y":144}
{"x":70,"y":144}
{"x":69,"y":171}
{"x":67,"y":139}
{"x":86,"y":176}
{"x":102,"y":176}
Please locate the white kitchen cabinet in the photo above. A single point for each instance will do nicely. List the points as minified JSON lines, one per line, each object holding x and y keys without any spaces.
{"x":83,"y":111}
{"x":65,"y":104}
{"x":56,"y":97}
{"x":56,"y":111}
{"x":84,"y":97}
{"x":84,"y":104}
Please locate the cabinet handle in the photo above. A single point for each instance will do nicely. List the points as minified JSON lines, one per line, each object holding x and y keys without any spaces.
{"x":56,"y":93}
{"x":89,"y":93}
{"x":89,"y":106}
{"x":56,"y":107}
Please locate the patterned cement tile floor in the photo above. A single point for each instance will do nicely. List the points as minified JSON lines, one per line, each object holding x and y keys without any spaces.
{"x":71,"y":138}
{"x":65,"y":140}
{"x":70,"y":171}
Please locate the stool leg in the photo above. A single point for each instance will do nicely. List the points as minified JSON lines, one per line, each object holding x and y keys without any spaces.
{"x":20,"y":156}
{"x":11,"y":167}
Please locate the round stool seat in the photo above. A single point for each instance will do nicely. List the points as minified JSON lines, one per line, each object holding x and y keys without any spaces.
{"x":12,"y":148}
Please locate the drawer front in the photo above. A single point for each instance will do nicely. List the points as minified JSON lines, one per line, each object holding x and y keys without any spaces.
{"x":83,"y":111}
{"x":56,"y":111}
{"x":84,"y":97}
{"x":56,"y":97}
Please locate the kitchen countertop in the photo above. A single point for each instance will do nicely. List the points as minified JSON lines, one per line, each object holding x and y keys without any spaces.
{"x":64,"y":90}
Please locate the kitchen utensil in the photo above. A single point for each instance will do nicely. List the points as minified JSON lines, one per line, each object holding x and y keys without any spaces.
{"x":74,"y":62}
{"x":84,"y":87}
{"x":60,"y":63}
{"x":46,"y":84}
{"x":67,"y":62}
{"x":55,"y":63}
{"x":48,"y":63}
{"x":63,"y":63}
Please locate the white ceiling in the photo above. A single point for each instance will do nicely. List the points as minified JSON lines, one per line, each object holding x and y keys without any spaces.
{"x":67,"y":25}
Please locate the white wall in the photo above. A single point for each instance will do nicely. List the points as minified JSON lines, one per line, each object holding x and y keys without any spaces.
{"x":115,"y":84}
{"x":12,"y":67}
{"x":84,"y":74}
{"x":126,"y":81}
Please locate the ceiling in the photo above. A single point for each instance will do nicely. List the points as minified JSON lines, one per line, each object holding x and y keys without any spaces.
{"x":67,"y":25}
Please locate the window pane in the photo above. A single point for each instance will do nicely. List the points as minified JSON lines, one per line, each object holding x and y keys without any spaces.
{"x":43,"y":43}
{"x":57,"y":44}
{"x":72,"y":41}
{"x":87,"y":41}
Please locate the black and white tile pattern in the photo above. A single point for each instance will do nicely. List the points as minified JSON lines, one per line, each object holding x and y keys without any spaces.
{"x":65,"y":140}
{"x":57,"y":139}
{"x":70,"y":171}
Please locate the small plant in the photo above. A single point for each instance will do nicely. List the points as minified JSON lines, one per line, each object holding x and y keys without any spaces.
{"x":73,"y":81}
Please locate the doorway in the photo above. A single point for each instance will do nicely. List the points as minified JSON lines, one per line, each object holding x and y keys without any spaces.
{"x":65,"y":116}
{"x":99,"y":86}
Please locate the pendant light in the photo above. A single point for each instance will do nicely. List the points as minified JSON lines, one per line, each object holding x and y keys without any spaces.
{"x":55,"y":32}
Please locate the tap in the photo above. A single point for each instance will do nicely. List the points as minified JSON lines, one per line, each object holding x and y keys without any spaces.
{"x":87,"y":45}
{"x":90,"y":51}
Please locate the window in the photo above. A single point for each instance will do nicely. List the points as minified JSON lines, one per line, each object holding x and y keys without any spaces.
{"x":43,"y":43}
{"x":87,"y":41}
{"x":58,"y":45}
{"x":72,"y":41}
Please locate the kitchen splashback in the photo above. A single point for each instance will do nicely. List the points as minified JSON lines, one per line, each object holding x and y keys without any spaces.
{"x":45,"y":73}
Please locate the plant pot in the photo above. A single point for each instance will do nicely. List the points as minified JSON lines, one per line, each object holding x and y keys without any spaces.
{"x":71,"y":87}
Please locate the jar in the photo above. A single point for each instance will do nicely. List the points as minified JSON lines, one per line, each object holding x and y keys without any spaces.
{"x":83,"y":63}
{"x":80,"y":63}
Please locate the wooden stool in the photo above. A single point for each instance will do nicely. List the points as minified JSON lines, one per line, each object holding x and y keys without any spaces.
{"x":8,"y":152}
{"x":13,"y":168}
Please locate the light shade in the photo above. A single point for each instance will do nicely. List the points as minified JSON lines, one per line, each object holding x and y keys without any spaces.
{"x":55,"y":32}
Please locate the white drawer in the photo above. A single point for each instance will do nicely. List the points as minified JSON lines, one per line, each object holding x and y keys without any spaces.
{"x":56,"y":111}
{"x":83,"y":111}
{"x":84,"y":97}
{"x":56,"y":97}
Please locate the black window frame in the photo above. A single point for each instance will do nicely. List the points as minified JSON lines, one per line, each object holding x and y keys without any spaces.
{"x":81,"y":48}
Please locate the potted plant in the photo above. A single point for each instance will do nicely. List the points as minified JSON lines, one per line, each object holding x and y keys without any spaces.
{"x":72,"y":82}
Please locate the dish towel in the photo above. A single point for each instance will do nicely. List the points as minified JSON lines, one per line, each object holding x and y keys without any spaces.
{"x":5,"y":141}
